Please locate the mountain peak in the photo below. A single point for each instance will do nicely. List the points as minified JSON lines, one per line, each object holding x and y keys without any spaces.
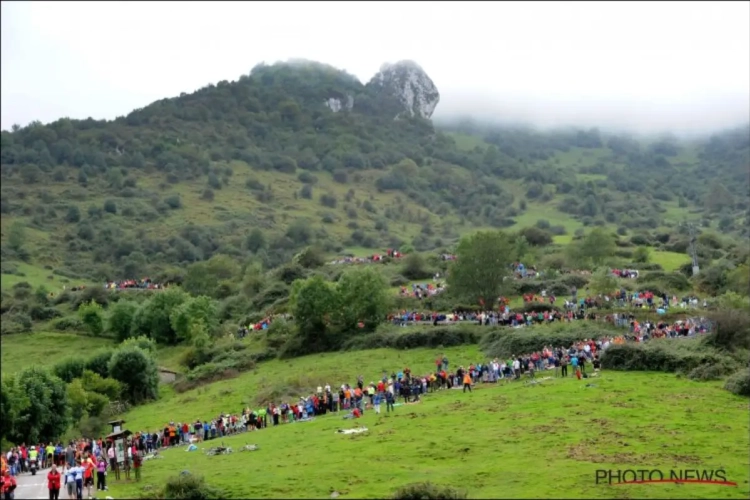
{"x":409,"y":84}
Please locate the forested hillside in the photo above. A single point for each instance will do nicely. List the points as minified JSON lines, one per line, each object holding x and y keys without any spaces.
{"x":302,"y":153}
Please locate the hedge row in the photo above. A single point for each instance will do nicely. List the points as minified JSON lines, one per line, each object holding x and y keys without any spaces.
{"x":224,"y":364}
{"x":415,"y":336}
{"x":691,"y":357}
{"x":506,"y":342}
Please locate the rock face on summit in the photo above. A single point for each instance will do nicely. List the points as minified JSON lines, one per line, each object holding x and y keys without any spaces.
{"x":407,"y":87}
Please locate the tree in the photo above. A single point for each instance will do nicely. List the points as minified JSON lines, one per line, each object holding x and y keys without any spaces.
{"x":40,"y":410}
{"x":642,"y":255}
{"x":199,"y":310}
{"x":363,"y":296}
{"x":120,"y":319}
{"x":136,"y":370}
{"x":152,"y":318}
{"x":92,"y":318}
{"x":603,"y":282}
{"x":594,"y":249}
{"x":536,"y":236}
{"x":255,"y":241}
{"x":17,"y":236}
{"x":415,"y":267}
{"x":481,"y":266}
{"x":204,"y":278}
{"x":312,"y":302}
{"x":311,"y":257}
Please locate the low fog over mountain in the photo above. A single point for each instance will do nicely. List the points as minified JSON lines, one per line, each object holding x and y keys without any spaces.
{"x":643,"y":67}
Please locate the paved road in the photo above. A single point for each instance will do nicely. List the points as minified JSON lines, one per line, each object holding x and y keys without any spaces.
{"x":33,"y":487}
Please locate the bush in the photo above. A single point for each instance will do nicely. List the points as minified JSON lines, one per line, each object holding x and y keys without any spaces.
{"x":732,"y":330}
{"x":69,"y":369}
{"x":190,"y":487}
{"x":505,"y":342}
{"x":694,"y":358}
{"x":428,"y":491}
{"x":68,"y":324}
{"x":739,"y":383}
{"x":415,"y":336}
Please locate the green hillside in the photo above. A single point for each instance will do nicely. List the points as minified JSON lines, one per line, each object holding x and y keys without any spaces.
{"x":261,"y":163}
{"x":241,"y":196}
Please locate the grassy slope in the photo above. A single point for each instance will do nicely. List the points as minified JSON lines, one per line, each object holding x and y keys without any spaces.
{"x":45,"y":348}
{"x":237,"y":203}
{"x":510,"y":441}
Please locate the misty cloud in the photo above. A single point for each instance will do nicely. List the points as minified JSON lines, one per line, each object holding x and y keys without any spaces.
{"x":647,"y":67}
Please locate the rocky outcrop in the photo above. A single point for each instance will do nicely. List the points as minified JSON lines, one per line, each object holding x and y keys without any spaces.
{"x":408,"y":88}
{"x":335,"y":104}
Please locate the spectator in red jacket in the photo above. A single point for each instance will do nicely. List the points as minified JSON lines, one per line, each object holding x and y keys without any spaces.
{"x":9,"y":486}
{"x":53,"y":483}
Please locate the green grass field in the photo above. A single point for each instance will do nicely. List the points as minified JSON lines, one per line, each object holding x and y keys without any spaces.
{"x":34,"y":275}
{"x":670,"y":261}
{"x":45,"y":348}
{"x":512,"y":441}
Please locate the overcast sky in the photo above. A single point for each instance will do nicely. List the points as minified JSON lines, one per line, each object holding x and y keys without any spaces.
{"x":645,"y":66}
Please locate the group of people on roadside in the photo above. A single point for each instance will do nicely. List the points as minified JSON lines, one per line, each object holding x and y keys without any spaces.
{"x":73,"y":466}
{"x":131,"y":284}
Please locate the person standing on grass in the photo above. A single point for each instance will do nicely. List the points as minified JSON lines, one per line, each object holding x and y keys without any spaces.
{"x":101,"y":474}
{"x":53,"y":483}
{"x":467,"y":382}
{"x":389,"y":400}
{"x":376,"y":402}
{"x":564,"y":366}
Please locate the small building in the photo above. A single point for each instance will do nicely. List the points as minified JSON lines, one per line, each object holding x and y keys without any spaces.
{"x":167,"y":376}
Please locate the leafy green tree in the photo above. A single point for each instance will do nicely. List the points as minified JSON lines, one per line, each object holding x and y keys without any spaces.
{"x":415,"y":267}
{"x":313,"y":302}
{"x":642,"y":255}
{"x":93,"y":382}
{"x":136,"y":370}
{"x":141,"y":342}
{"x":595,"y":248}
{"x":198,"y":310}
{"x":17,"y":236}
{"x":78,"y":400}
{"x":311,"y":257}
{"x":363,"y":296}
{"x":92,"y":317}
{"x":153,"y":317}
{"x":203,"y":277}
{"x":603,"y":282}
{"x":99,"y":362}
{"x":255,"y":241}
{"x":481,"y":266}
{"x":120,"y":319}
{"x":69,"y":369}
{"x":43,"y":412}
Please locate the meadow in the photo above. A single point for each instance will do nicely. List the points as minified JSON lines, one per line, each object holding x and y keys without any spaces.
{"x":507,"y":440}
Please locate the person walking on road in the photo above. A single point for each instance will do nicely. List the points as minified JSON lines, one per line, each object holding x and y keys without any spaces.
{"x":53,"y":483}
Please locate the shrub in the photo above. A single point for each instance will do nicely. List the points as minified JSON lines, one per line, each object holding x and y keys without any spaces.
{"x":680,"y":356}
{"x":428,"y":491}
{"x":732,"y":330}
{"x":505,"y":342}
{"x":190,"y":487}
{"x":69,"y":369}
{"x":739,"y":383}
{"x":414,"y":337}
{"x":68,"y":324}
